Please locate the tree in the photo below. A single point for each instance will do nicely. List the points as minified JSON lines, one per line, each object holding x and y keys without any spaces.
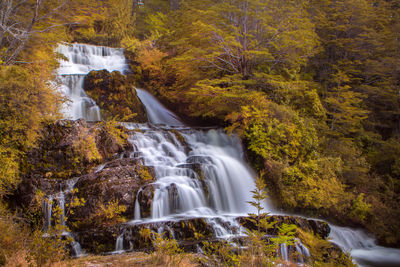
{"x":345,"y":113}
{"x":21,"y":20}
{"x":245,"y":35}
{"x":360,"y":52}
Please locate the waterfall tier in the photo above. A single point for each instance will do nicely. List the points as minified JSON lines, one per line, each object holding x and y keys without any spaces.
{"x":156,"y":112}
{"x":198,"y":172}
{"x":79,"y":60}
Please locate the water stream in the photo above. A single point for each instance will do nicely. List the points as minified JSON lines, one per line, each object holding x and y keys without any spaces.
{"x":199,"y":172}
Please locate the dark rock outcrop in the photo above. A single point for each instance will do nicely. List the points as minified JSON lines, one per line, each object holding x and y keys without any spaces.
{"x":115,"y":95}
{"x":192,"y":232}
{"x":119,"y":180}
{"x":145,"y":196}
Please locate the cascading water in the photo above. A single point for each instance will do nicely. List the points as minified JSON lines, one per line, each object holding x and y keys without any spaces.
{"x":199,"y":173}
{"x":119,"y":244}
{"x":156,"y":112}
{"x":363,"y":248}
{"x":79,"y":60}
{"x":203,"y":176}
{"x":47,"y":211}
{"x":220,"y":185}
{"x":59,"y":200}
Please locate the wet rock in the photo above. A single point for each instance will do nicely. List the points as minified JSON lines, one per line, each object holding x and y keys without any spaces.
{"x":145,"y":196}
{"x":95,"y":241}
{"x":185,"y":231}
{"x":190,"y":233}
{"x":115,"y":95}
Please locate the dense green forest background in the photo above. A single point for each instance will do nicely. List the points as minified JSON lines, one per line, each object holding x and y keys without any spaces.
{"x":311,"y":87}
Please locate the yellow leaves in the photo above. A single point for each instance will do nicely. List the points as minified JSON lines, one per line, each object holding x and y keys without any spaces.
{"x":150,"y":58}
{"x":85,"y":148}
{"x":159,"y":25}
{"x":131,"y":44}
{"x":113,"y":128}
{"x":274,"y":132}
{"x":360,"y":208}
{"x":109,"y":213}
{"x":220,"y":97}
{"x":75,"y":202}
{"x":9,"y":170}
{"x":316,"y":184}
{"x":145,"y":174}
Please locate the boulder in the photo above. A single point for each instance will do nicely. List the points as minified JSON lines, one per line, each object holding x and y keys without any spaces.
{"x":115,"y":96}
{"x":117,"y":181}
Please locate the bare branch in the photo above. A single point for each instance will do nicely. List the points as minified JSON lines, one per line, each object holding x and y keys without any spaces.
{"x":54,"y":26}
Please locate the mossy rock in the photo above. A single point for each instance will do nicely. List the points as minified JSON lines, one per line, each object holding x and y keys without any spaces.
{"x":115,"y":95}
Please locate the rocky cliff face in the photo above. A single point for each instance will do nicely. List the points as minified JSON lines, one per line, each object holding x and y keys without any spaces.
{"x":93,"y":156}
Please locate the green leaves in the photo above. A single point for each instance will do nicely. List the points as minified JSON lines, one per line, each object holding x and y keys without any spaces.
{"x":286,"y":234}
{"x":275,"y":132}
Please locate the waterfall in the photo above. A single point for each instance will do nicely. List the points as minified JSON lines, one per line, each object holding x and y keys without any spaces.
{"x":284,"y":252}
{"x":47,"y":210}
{"x":66,"y":188}
{"x":198,"y":172}
{"x":79,"y":60}
{"x":119,"y":244}
{"x":202,"y":175}
{"x":77,"y":249}
{"x":61,"y":203}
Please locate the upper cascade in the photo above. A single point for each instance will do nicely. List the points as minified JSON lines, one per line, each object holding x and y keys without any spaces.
{"x":79,"y":60}
{"x":83,"y":58}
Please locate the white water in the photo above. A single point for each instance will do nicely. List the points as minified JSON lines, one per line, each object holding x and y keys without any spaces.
{"x":221,"y":185}
{"x":228,"y":181}
{"x":80,"y":60}
{"x":119,"y":244}
{"x":77,"y":249}
{"x":47,"y":211}
{"x":59,"y":199}
{"x":363,"y":248}
{"x":83,"y":58}
{"x":156,"y":112}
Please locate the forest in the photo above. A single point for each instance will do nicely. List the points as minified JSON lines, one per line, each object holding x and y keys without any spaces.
{"x":311,"y":87}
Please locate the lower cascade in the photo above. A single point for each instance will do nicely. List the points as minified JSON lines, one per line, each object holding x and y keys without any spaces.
{"x":198,"y":177}
{"x":363,"y":248}
{"x":209,"y":178}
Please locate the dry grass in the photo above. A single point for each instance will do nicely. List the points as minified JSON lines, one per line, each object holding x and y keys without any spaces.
{"x":134,"y":259}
